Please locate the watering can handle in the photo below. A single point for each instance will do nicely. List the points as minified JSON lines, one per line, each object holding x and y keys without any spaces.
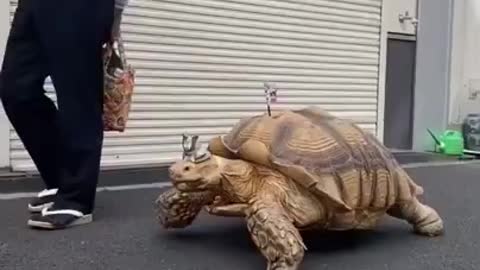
{"x":448,"y":133}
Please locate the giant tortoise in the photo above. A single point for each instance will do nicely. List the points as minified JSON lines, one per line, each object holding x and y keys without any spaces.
{"x":292,"y":171}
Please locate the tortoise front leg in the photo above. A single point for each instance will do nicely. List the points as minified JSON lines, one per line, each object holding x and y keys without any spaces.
{"x":232,"y":210}
{"x":220,"y":207}
{"x":275,"y":235}
{"x":177,"y":209}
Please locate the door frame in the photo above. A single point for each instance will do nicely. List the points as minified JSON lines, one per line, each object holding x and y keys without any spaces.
{"x":382,"y":73}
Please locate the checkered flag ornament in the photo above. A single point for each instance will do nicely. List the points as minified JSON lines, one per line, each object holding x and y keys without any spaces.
{"x":270,"y":95}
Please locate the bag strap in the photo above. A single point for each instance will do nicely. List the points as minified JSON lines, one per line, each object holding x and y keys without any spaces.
{"x":111,"y":49}
{"x":121,"y":51}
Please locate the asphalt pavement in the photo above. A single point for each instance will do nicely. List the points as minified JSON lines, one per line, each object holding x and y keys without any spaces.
{"x":126,"y":236}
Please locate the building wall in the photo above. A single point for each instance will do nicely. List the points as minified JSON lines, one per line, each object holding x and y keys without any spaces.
{"x":465,"y":71}
{"x":432,"y":82}
{"x":392,"y":10}
{"x":4,"y":123}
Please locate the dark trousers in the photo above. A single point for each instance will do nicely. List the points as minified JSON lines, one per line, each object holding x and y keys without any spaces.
{"x":63,"y":40}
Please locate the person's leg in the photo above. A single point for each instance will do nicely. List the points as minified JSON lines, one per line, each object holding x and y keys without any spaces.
{"x":31,"y":112}
{"x":73,"y":33}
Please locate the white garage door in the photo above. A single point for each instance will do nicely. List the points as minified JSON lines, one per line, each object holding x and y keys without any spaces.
{"x":201,"y":65}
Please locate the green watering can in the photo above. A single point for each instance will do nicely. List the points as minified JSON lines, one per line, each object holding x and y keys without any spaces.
{"x":449,"y":143}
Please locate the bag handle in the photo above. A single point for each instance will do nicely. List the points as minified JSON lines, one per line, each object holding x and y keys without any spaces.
{"x":121,"y":52}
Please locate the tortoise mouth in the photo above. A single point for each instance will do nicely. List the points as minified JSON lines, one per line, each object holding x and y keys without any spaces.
{"x":186,"y":185}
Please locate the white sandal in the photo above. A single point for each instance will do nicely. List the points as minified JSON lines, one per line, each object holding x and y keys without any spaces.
{"x":59,"y":219}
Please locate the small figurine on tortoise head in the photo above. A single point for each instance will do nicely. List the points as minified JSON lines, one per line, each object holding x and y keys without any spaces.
{"x":293,"y":171}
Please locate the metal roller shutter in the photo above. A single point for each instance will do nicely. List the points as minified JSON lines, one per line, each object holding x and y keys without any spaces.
{"x":201,"y":65}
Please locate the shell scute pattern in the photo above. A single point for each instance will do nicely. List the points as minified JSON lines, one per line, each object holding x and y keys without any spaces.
{"x":330,"y":156}
{"x":248,"y":129}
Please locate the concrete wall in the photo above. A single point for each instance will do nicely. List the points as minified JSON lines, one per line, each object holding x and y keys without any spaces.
{"x":392,"y":10}
{"x":456,"y":64}
{"x":465,"y":66}
{"x":432,"y":80}
{"x":4,"y":123}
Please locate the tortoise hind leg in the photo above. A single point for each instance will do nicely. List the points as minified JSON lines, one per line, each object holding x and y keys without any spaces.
{"x":275,"y":236}
{"x":424,"y":219}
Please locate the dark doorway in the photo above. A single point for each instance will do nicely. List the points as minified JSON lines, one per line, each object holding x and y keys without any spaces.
{"x":400,"y":76}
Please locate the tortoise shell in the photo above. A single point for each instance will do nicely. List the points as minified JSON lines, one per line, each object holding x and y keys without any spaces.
{"x":331,"y":157}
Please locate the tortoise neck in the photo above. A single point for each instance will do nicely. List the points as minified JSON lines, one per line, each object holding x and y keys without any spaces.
{"x":222,"y":162}
{"x":238,"y":179}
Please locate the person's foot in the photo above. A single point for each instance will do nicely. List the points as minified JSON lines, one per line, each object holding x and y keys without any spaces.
{"x":43,"y":200}
{"x":58,"y":218}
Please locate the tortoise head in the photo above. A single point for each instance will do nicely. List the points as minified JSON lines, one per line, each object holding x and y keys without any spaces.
{"x":193,"y":176}
{"x":197,"y":171}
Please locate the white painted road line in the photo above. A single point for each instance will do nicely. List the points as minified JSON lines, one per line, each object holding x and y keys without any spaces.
{"x":133,"y":187}
{"x":23,"y":195}
{"x":439,"y":164}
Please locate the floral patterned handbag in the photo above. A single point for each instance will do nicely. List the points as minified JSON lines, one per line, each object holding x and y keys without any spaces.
{"x":119,"y":79}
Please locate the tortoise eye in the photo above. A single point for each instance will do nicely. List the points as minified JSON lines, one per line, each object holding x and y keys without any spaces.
{"x":187,"y":168}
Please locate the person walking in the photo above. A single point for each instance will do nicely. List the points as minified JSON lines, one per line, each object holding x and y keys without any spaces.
{"x":63,"y":40}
